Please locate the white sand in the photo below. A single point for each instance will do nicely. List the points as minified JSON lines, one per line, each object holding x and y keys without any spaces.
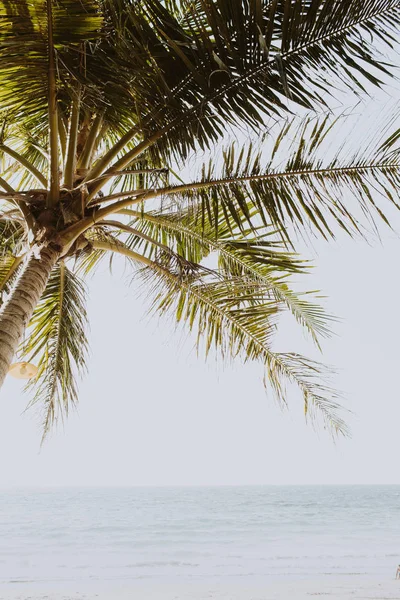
{"x":354,"y":588}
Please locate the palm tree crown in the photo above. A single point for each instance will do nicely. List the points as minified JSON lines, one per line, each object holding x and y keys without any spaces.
{"x":104,"y":101}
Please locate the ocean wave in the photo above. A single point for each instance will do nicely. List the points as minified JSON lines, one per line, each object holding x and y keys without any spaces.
{"x":160,"y":563}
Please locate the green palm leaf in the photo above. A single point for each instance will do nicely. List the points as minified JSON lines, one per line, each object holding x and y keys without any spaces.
{"x":241,"y":328}
{"x":57,"y":341}
{"x":237,"y":317}
{"x":311,"y":177}
{"x":10,"y":266}
{"x":263,"y":261}
{"x":12,"y":239}
{"x":24,"y":50}
{"x":208,"y":64}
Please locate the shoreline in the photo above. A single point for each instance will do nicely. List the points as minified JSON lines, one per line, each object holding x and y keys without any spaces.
{"x":352,"y":587}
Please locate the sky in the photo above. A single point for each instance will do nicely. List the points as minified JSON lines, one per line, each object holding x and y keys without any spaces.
{"x":152,"y":412}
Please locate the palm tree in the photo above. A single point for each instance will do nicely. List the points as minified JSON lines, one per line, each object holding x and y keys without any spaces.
{"x":104,"y":102}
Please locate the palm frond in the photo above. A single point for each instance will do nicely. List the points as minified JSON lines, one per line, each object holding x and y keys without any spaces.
{"x":210,"y":64}
{"x":24,"y":50}
{"x":12,"y":246}
{"x":225,"y":320}
{"x":89,"y":260}
{"x":272,"y":270}
{"x":9,"y":268}
{"x":22,"y":167}
{"x":312,"y":178}
{"x":263,"y":261}
{"x":182,"y":74}
{"x":12,"y":235}
{"x":57,"y":341}
{"x":236,"y":318}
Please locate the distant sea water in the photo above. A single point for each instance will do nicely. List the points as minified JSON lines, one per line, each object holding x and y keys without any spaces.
{"x":197,"y":534}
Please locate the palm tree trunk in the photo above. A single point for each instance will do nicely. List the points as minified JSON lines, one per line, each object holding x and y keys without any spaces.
{"x":17,"y":311}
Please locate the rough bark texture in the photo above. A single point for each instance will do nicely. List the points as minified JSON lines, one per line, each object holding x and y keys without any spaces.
{"x":17,"y":311}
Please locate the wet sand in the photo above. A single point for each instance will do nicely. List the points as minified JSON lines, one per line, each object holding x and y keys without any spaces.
{"x":346,"y":588}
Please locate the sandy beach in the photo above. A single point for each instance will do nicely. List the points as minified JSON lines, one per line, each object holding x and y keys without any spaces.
{"x":347,"y":588}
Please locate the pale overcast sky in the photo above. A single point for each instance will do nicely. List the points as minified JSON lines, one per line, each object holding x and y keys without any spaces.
{"x":153,"y":413}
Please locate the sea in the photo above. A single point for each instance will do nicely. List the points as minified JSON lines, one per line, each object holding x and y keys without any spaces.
{"x":198,"y":534}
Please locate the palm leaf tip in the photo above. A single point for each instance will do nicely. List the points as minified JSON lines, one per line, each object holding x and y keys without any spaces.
{"x":321,"y":402}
